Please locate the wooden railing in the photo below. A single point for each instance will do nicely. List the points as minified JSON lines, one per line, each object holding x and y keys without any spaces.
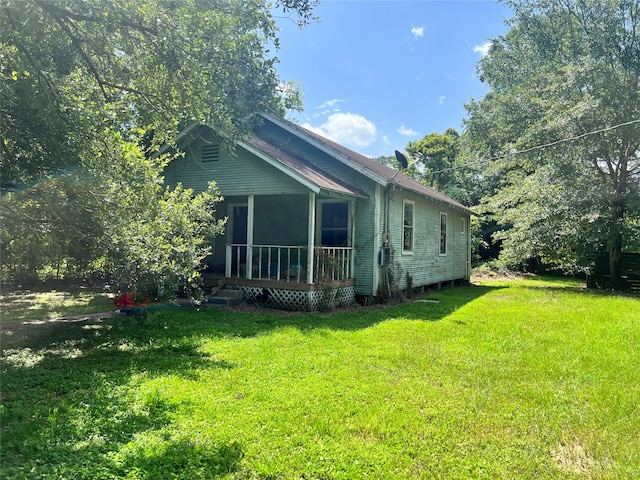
{"x":332,"y":263}
{"x":289,"y":263}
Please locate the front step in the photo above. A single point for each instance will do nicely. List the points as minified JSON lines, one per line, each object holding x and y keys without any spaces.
{"x":229,"y":298}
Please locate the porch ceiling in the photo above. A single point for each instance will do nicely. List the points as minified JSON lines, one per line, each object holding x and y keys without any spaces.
{"x":297,"y":167}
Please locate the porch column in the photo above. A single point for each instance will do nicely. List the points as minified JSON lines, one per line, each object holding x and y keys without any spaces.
{"x":352,"y":240}
{"x":249,"y":262}
{"x":311,"y":236}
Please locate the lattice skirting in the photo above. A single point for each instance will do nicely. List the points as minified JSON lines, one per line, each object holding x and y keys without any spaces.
{"x":310,"y":301}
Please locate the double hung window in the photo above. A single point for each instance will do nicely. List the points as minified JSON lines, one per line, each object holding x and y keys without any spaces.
{"x":443,"y":234}
{"x":408,"y":226}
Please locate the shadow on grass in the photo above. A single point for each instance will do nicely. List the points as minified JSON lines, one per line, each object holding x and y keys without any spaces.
{"x":23,"y":307}
{"x":70,"y":407}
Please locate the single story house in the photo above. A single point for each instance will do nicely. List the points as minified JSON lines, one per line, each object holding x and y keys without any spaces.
{"x":313,"y":224}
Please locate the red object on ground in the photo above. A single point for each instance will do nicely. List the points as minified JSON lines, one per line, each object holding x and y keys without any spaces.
{"x":126,"y":300}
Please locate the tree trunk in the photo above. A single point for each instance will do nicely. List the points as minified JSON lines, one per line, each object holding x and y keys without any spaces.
{"x":615,"y":248}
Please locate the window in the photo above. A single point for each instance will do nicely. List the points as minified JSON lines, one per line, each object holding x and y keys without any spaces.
{"x":210,"y":152}
{"x":463,"y":225}
{"x":407,"y":226}
{"x":443,"y":234}
{"x":335,"y":225}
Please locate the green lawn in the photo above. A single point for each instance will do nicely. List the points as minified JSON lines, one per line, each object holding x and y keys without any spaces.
{"x":510,"y":379}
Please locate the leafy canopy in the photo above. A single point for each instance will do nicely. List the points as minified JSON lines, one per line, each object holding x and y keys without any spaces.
{"x":564,"y":70}
{"x":90,"y":90}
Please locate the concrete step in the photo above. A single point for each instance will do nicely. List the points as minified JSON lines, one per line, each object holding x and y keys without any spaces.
{"x":227,"y":297}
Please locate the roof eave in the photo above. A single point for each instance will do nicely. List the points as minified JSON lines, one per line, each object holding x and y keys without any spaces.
{"x":330,"y":151}
{"x":274,"y":163}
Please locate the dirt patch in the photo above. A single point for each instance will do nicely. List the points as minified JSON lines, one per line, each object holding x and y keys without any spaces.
{"x":572,"y":458}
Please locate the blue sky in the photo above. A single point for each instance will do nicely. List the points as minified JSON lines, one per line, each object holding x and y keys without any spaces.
{"x":376,"y":74}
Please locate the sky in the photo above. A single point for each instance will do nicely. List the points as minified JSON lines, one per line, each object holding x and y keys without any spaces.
{"x":377,"y":74}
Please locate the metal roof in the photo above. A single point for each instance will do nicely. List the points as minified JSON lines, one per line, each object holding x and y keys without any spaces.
{"x":380,"y":173}
{"x":305,"y":169}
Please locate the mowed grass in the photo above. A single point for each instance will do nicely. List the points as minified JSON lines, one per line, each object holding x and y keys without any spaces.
{"x":508,"y":379}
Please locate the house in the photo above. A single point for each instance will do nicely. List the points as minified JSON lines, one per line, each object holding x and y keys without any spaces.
{"x":312,"y":223}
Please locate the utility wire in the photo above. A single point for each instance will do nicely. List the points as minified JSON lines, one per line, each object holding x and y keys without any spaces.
{"x":537,"y":147}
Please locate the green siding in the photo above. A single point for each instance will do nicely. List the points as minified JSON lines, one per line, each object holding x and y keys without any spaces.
{"x":283,"y":220}
{"x":365,"y":208}
{"x":425,"y":265}
{"x":236,"y":173}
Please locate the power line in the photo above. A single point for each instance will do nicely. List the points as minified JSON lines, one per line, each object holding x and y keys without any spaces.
{"x":539,"y":147}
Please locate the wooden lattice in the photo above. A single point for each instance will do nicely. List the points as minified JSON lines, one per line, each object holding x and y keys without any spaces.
{"x":288,"y":299}
{"x":299,"y":300}
{"x":331,"y":297}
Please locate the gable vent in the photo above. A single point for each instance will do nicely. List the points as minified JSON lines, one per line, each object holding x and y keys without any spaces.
{"x":210,"y":153}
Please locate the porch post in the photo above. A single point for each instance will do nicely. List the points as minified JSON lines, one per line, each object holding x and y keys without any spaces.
{"x":311,"y":235}
{"x":249,"y":262}
{"x":352,"y":224}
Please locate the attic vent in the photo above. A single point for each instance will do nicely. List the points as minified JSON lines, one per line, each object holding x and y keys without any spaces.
{"x":210,"y":152}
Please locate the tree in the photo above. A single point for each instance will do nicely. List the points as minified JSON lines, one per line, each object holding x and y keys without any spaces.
{"x":435,"y":156}
{"x":560,"y":130}
{"x":89,"y":88}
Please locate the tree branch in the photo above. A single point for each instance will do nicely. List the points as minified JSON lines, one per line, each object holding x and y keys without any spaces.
{"x":57,"y":11}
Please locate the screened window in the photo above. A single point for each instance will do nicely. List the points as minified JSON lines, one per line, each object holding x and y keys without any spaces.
{"x":408,"y":226}
{"x":443,"y":234}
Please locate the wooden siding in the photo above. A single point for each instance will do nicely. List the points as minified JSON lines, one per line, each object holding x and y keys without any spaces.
{"x":243,"y":174}
{"x":425,"y":264}
{"x":240,"y":173}
{"x":364,"y":240}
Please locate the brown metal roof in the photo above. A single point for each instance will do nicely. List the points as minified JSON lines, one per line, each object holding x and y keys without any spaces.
{"x":385,"y":173}
{"x":310,"y":172}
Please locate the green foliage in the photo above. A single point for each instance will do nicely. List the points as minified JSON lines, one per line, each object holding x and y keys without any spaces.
{"x":155,"y":237}
{"x":529,"y":378}
{"x":563,"y":71}
{"x":90,"y":91}
{"x":435,"y":156}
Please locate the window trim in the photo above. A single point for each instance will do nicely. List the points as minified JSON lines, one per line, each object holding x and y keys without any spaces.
{"x":444,"y":216}
{"x":410,"y":251}
{"x":463,"y":225}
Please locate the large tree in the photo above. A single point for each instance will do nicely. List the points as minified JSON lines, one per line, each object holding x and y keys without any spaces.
{"x":560,"y":130}
{"x":90,"y":89}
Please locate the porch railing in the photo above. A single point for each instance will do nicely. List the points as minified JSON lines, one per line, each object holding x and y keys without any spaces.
{"x":288,"y":263}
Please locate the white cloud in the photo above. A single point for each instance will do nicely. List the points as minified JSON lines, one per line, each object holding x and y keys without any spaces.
{"x":441,"y":100}
{"x":330,"y":103}
{"x":417,"y":32}
{"x":347,"y":128}
{"x":407,"y":132}
{"x":327,"y":107}
{"x":483,"y":49}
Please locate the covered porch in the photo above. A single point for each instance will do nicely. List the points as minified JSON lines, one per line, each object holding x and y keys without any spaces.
{"x":291,"y":251}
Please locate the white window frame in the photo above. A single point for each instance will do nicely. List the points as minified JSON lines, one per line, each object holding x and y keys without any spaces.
{"x":446,"y":226}
{"x":410,"y":251}
{"x":463,"y":225}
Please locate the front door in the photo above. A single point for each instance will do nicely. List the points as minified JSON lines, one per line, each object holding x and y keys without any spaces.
{"x":237,"y":232}
{"x":239,"y":224}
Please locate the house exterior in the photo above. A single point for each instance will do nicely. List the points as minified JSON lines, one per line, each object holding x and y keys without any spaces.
{"x":313,"y":224}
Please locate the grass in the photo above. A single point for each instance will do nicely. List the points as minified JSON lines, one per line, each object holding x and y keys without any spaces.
{"x":29,"y":306}
{"x":532,"y":378}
